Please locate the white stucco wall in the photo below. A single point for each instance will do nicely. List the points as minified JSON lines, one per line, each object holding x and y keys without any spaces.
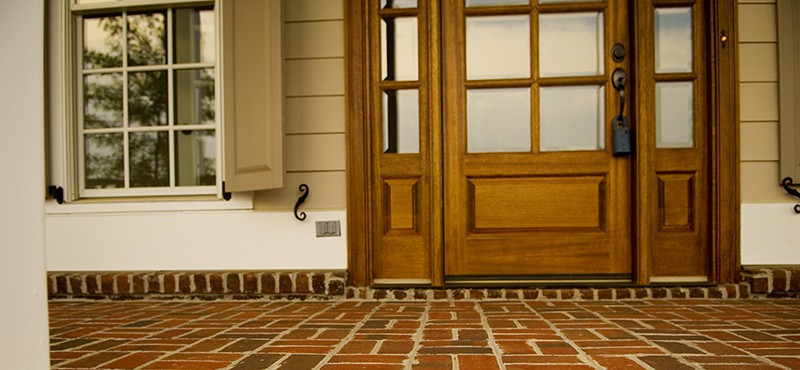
{"x":770,"y":234}
{"x":23,"y":304}
{"x":192,"y":240}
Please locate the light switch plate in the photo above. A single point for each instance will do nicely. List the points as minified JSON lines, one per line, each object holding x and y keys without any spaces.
{"x":328,"y":228}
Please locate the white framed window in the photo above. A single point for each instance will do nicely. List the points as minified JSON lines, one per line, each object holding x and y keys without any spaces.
{"x":142,"y":94}
{"x":147,"y":102}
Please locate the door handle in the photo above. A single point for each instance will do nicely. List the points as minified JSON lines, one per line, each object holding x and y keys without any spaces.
{"x":620,"y":125}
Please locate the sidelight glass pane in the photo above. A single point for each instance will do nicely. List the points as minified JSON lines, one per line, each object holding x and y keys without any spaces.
{"x":194,"y":35}
{"x":571,"y":44}
{"x":149,"y":157}
{"x":498,"y":47}
{"x":102,"y":42}
{"x":147,"y":98}
{"x":147,"y":39}
{"x":102,"y":100}
{"x":195,"y":158}
{"x":401,"y":121}
{"x":389,"y":4}
{"x":194,"y":97}
{"x":571,"y":118}
{"x":103,"y":161}
{"x":399,"y":49}
{"x":496,"y":2}
{"x":673,"y":32}
{"x":499,"y":120}
{"x":674,"y":115}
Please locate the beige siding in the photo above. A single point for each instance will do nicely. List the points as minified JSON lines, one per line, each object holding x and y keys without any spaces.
{"x":758,"y":94}
{"x":327,"y":191}
{"x":315,"y":152}
{"x":324,"y":39}
{"x":314,"y":114}
{"x":313,"y":10}
{"x":314,"y":145}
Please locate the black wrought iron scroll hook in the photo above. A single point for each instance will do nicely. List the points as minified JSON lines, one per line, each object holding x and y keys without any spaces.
{"x":786,"y":183}
{"x":302,"y":215}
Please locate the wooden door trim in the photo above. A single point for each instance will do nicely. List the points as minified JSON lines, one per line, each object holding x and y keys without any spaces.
{"x":357,"y":105}
{"x":725,"y":180}
{"x":724,"y":150}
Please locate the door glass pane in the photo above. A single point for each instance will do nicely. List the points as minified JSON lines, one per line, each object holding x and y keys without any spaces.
{"x":401,"y":121}
{"x":387,"y":4}
{"x":674,"y":114}
{"x":195,"y":158}
{"x":673,"y":46}
{"x":499,"y":120}
{"x":103,"y":161}
{"x":194,"y":97}
{"x":572,"y":118}
{"x":102,"y":100}
{"x":149,"y":152}
{"x":496,"y":2}
{"x":194,"y":35}
{"x":571,"y":44}
{"x":102,"y":42}
{"x":498,"y":47}
{"x":399,"y":49}
{"x":147,"y":98}
{"x":147,"y":39}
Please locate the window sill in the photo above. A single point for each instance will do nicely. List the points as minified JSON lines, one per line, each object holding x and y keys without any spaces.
{"x":239,"y":201}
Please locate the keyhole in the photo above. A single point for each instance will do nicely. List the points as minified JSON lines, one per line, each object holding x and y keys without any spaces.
{"x":619,"y":79}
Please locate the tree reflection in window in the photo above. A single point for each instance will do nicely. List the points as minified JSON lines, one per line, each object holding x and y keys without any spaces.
{"x":144,"y":118}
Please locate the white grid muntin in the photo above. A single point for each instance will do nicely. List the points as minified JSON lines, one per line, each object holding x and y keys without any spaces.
{"x":122,"y":8}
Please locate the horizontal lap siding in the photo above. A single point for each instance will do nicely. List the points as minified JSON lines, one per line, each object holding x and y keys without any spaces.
{"x":313,"y":42}
{"x":758,"y":74}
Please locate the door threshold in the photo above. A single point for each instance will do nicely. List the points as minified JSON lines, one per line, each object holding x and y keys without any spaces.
{"x":544,"y":280}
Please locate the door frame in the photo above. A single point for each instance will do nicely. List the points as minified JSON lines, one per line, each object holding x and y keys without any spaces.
{"x":723,"y":149}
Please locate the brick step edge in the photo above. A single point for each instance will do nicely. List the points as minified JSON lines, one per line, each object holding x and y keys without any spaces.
{"x":725,"y":291}
{"x":757,"y":282}
{"x":773,"y":281}
{"x":202,"y":285}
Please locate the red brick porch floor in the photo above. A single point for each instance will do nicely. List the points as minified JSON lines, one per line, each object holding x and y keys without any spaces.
{"x":462,"y":335}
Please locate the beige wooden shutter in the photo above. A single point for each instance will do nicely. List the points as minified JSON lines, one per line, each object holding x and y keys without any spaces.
{"x":252,"y":94}
{"x":789,"y":74}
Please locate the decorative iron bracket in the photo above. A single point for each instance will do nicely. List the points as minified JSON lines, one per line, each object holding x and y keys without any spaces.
{"x":226,"y":194}
{"x":786,"y":183}
{"x":302,"y":215}
{"x":56,"y":192}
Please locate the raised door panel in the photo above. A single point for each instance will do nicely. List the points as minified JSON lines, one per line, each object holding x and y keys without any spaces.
{"x":545,"y":203}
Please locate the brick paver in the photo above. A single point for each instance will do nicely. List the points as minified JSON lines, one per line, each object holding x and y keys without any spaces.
{"x":453,"y":335}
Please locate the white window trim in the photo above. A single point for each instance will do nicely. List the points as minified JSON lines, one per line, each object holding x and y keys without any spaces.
{"x":240,"y":201}
{"x":129,"y":4}
{"x":62,"y":138}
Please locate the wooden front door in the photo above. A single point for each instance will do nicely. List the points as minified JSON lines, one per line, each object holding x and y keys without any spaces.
{"x":495,"y":145}
{"x":532,"y":187}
